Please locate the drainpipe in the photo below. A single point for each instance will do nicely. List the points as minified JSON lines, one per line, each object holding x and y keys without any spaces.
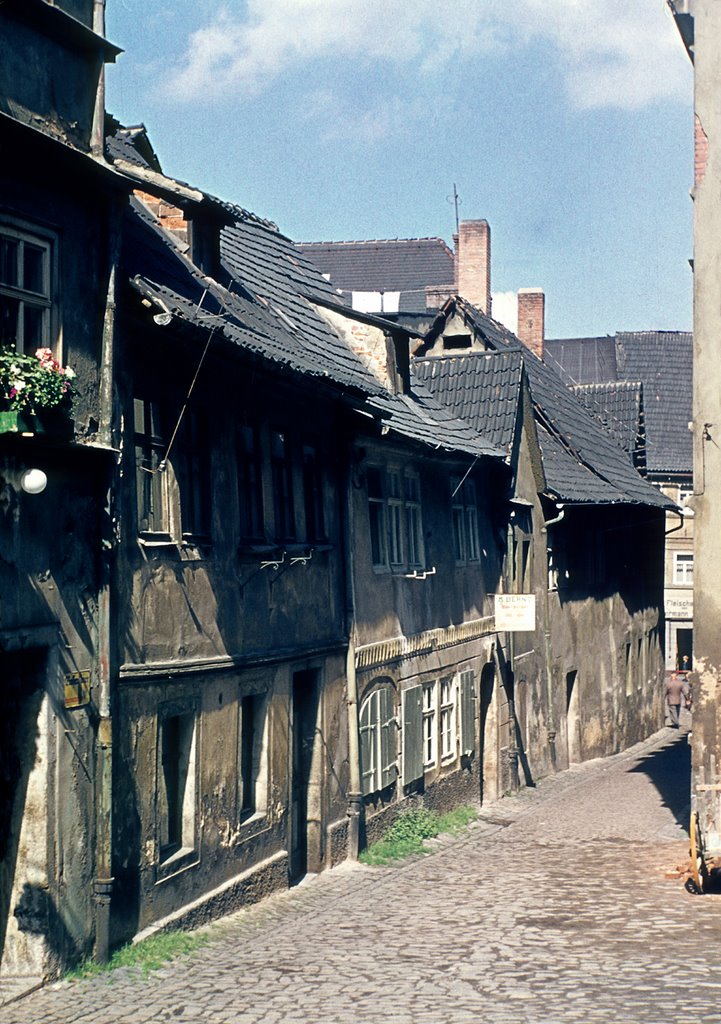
{"x":97,"y":141}
{"x":550,"y":720}
{"x":355,"y":792}
{"x":103,"y":882}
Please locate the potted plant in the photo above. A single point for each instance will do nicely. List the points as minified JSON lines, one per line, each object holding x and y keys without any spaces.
{"x":36,"y":393}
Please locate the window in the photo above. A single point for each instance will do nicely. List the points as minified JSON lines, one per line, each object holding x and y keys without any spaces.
{"x":377,"y":726}
{"x":150,"y":470}
{"x":377,"y":516}
{"x":25,"y":290}
{"x":177,"y":785}
{"x":194,"y":475}
{"x":250,"y":483}
{"x":395,"y":518}
{"x":464,"y":514}
{"x":414,"y":527}
{"x":312,"y":494}
{"x":683,"y":568}
{"x":396,"y":526}
{"x":252,"y":761}
{"x":448,"y":719}
{"x":430,"y":726}
{"x":282,"y":475}
{"x":684,"y":494}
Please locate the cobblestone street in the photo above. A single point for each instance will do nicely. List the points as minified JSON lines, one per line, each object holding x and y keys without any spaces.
{"x":557,"y":906}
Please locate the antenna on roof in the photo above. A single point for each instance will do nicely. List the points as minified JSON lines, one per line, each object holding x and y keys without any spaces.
{"x":456,"y":200}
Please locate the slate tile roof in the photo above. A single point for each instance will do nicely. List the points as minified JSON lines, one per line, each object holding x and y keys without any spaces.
{"x":618,"y":406}
{"x":482,"y":388}
{"x":305,"y":344}
{"x":581,"y":462}
{"x":420,"y":417}
{"x":268,"y":312}
{"x":404,"y":265}
{"x":582,"y":360}
{"x":663,"y":362}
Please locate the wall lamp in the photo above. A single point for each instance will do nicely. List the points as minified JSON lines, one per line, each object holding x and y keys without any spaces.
{"x":32,"y":481}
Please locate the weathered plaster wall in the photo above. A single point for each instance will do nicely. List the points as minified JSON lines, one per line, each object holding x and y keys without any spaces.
{"x":706,"y":420}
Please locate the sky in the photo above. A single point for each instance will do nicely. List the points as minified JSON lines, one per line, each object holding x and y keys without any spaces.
{"x":568,"y":126}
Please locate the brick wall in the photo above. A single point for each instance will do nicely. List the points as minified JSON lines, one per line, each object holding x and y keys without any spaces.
{"x":531,"y":318}
{"x":473,"y":263}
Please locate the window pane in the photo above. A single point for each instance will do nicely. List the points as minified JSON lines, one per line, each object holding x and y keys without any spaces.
{"x":376,"y":514}
{"x":9,"y":310}
{"x":34,"y":333}
{"x":459,"y":545}
{"x":34,"y":262}
{"x":9,"y":251}
{"x":375,"y":482}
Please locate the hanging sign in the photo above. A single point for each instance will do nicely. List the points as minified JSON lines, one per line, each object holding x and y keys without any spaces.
{"x":77,"y":689}
{"x":515,"y":613}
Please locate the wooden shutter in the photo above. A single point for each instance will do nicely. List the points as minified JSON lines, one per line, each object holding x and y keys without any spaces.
{"x":412,"y":737}
{"x":468,"y":714}
{"x":388,"y":725}
{"x":368,"y":725}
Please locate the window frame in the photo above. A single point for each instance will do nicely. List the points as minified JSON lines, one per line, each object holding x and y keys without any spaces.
{"x":181,"y":849}
{"x":464,"y":520}
{"x":395,"y":512}
{"x":683,"y":565}
{"x":448,"y":719}
{"x":153,"y":505}
{"x":44,"y":301}
{"x":429,"y":707}
{"x":249,"y":476}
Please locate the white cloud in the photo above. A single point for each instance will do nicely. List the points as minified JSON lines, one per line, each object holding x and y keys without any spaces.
{"x":611,"y":53}
{"x":504,"y":307}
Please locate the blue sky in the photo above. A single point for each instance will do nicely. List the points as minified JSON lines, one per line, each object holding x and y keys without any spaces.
{"x":568,"y":126}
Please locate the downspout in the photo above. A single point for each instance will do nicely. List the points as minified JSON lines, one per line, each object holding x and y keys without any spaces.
{"x":103,"y":882}
{"x":548,"y":652}
{"x":97,"y":141}
{"x":355,"y":792}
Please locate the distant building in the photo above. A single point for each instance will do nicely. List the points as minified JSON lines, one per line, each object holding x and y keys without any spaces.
{"x":639,"y":385}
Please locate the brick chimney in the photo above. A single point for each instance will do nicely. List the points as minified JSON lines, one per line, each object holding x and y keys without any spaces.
{"x":473,"y":263}
{"x":531,"y":319}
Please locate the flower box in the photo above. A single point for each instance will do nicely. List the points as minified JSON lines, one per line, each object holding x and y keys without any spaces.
{"x":48,"y":422}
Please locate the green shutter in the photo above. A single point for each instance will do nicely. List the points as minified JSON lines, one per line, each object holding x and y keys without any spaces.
{"x":468,"y":714}
{"x":388,"y":726}
{"x":412,"y":738}
{"x":368,"y":722}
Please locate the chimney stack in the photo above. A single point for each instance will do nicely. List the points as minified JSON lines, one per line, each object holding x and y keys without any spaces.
{"x":473,"y":263}
{"x":531,"y":319}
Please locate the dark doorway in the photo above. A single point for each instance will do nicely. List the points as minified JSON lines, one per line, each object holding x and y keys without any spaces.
{"x":573,"y":717}
{"x":305,"y":824}
{"x":22,"y":677}
{"x":488,"y":757}
{"x":684,"y":645}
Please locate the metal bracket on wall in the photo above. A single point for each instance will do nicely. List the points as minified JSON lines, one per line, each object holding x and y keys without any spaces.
{"x":273,"y":563}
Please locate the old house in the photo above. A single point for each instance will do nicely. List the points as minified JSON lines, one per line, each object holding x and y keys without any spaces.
{"x":640,"y":385}
{"x":59,"y":209}
{"x":586,"y":538}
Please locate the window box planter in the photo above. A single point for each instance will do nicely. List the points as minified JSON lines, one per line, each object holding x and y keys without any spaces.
{"x":51,"y":423}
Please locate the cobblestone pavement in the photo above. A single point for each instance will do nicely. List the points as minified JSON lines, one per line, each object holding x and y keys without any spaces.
{"x":559,"y":905}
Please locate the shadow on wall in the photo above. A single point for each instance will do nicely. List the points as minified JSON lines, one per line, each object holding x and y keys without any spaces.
{"x":669,"y":769}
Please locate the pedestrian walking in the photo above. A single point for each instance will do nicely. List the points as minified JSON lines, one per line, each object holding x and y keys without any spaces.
{"x":677,"y":690}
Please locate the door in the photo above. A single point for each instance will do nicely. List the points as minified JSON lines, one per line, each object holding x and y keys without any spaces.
{"x":305,"y":804}
{"x":24,"y":908}
{"x":573,"y":720}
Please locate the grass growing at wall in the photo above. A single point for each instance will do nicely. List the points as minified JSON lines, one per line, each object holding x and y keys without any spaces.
{"x":146,"y":956}
{"x":409,"y":831}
